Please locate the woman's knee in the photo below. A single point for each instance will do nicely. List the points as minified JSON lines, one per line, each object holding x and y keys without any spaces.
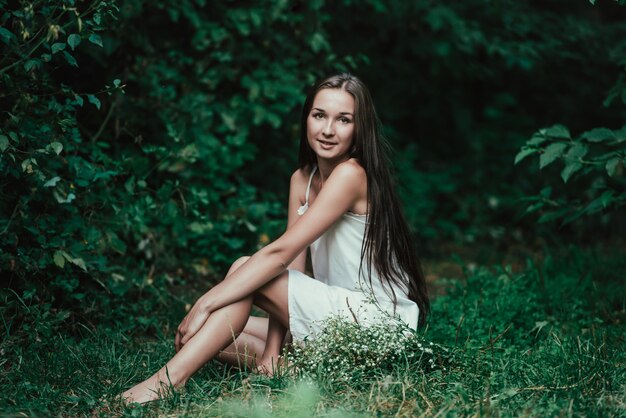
{"x":238,"y":263}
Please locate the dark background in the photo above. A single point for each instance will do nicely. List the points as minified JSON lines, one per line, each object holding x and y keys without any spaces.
{"x":146,"y":145}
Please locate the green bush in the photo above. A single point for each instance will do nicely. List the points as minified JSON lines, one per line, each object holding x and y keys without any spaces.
{"x":596,"y":159}
{"x":129,"y":127}
{"x":145,"y":144}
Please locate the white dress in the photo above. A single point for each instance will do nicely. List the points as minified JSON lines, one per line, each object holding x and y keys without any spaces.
{"x":337,"y":289}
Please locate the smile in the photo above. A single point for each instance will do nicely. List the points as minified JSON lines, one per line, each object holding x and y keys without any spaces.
{"x":326,"y":143}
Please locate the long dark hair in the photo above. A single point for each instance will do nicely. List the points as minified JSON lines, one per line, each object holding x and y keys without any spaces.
{"x":388,"y":245}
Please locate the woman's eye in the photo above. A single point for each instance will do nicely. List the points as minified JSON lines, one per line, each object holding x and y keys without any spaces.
{"x":318,"y":115}
{"x":344,"y":120}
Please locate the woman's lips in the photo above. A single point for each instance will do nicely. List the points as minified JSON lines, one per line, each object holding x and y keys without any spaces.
{"x":326,"y":144}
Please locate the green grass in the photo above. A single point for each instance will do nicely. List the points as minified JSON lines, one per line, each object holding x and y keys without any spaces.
{"x":546,"y":341}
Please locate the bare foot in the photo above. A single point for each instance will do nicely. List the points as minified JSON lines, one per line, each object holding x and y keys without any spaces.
{"x":151,"y":389}
{"x":269,"y":366}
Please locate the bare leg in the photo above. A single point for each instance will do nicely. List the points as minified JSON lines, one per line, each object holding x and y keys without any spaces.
{"x":269,"y":362}
{"x":249,"y":345}
{"x":259,"y":344}
{"x":266,"y":298}
{"x":218,"y":331}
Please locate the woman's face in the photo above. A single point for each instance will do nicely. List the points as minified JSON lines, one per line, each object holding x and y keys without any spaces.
{"x":330,"y":125}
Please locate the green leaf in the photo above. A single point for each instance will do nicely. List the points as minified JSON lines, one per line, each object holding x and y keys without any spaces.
{"x":73,"y":40}
{"x":117,"y":82}
{"x":6,"y":35}
{"x":557,"y":131}
{"x":4,"y":143}
{"x":79,"y":100}
{"x":63,"y":199}
{"x":546,"y":192}
{"x":551,"y":153}
{"x":572,"y":217}
{"x":318,"y":42}
{"x":600,"y":203}
{"x":57,"y":147}
{"x":74,"y":260}
{"x":576,"y":152}
{"x":31,"y":64}
{"x":534,"y":207}
{"x":79,"y":262}
{"x":620,"y":134}
{"x":94,"y":38}
{"x":70,"y":59}
{"x":27,"y":165}
{"x":94,"y":100}
{"x":105,"y":175}
{"x":611,"y":166}
{"x":571,"y":168}
{"x":57,"y":47}
{"x":599,"y":135}
{"x":59,"y":259}
{"x":553,"y":215}
{"x":52,"y":182}
{"x":199,"y":227}
{"x":525,"y":152}
{"x":116,"y":243}
{"x":537,"y":139}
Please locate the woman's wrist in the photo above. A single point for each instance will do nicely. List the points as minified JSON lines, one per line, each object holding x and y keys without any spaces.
{"x":207,"y":301}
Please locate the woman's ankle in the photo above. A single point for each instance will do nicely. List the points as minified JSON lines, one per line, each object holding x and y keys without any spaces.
{"x":170,"y":378}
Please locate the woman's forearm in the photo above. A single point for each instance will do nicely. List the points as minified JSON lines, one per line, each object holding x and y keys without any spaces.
{"x":258,"y":270}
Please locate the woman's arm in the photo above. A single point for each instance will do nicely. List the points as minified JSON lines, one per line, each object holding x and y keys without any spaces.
{"x":339,"y":194}
{"x":343,"y":188}
{"x":297,"y":186}
{"x":276,"y":331}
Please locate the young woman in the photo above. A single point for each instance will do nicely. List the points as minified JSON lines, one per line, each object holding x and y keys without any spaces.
{"x":341,"y":205}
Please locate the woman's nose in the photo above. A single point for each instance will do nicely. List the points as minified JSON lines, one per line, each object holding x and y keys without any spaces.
{"x":329,"y":129}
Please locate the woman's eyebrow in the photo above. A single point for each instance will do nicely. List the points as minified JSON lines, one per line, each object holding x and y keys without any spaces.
{"x":323,"y":111}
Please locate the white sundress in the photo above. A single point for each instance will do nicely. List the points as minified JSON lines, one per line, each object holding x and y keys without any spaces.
{"x":337,"y":289}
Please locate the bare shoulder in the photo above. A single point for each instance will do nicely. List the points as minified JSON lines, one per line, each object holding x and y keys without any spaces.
{"x":300,"y":176}
{"x":351,"y":171}
{"x":351,"y":178}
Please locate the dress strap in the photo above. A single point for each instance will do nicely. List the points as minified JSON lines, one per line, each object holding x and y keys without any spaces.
{"x":308,"y":187}
{"x":304,"y":207}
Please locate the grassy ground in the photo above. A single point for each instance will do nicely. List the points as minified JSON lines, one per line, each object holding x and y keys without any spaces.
{"x":545,"y":341}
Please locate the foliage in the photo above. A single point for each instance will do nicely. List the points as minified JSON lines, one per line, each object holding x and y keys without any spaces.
{"x":543,"y":341}
{"x":146,"y":145}
{"x":460,"y":85}
{"x":125,"y":131}
{"x":597,"y":157}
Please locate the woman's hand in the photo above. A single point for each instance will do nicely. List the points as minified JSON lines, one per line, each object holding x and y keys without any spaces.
{"x":192,"y":323}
